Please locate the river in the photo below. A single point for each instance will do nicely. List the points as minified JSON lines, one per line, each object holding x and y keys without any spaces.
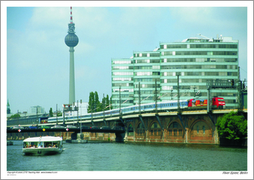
{"x":130,"y":157}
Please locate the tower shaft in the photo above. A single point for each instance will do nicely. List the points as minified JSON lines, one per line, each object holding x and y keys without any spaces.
{"x":72,"y":78}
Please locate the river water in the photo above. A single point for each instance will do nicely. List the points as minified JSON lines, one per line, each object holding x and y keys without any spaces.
{"x":130,"y":157}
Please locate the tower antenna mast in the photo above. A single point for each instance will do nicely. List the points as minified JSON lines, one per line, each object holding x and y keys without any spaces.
{"x":71,"y":20}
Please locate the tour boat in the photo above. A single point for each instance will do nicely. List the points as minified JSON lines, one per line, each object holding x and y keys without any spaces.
{"x":44,"y":145}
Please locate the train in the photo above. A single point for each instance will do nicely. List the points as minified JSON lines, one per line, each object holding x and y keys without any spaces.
{"x":217,"y":102}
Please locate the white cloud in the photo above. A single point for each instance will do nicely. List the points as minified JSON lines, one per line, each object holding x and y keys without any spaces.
{"x":46,"y":17}
{"x":84,"y":48}
{"x":191,"y":14}
{"x":94,"y":22}
{"x":208,"y":17}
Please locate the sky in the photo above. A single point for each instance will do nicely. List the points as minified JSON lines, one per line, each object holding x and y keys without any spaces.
{"x":37,"y":59}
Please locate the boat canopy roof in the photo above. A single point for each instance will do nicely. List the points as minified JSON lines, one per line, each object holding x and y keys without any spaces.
{"x":43,"y":139}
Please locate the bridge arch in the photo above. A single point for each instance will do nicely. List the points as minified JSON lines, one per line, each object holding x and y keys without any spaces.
{"x":140,"y":129}
{"x":155,"y":129}
{"x":175,"y":129}
{"x":200,"y":131}
{"x":130,"y":129}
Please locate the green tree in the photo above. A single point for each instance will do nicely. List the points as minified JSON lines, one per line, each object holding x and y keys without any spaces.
{"x":103,"y":104}
{"x":59,"y":113}
{"x":17,"y":115}
{"x":110,"y":102}
{"x":232,"y":126}
{"x":50,"y":112}
{"x":91,"y":103}
{"x":97,"y":102}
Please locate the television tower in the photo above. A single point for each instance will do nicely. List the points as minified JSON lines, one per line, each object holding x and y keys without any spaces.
{"x":71,"y":40}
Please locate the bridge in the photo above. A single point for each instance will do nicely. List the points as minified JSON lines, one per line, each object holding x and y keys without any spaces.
{"x":76,"y":130}
{"x":195,"y":126}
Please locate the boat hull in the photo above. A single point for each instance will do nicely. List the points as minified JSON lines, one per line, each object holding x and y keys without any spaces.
{"x":41,"y":151}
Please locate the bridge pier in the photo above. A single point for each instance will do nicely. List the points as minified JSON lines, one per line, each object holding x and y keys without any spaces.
{"x":119,"y":137}
{"x":186,"y":135}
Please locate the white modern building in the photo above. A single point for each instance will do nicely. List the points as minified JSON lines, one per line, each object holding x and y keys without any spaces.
{"x":82,"y":109}
{"x":196,"y":60}
{"x":36,"y":110}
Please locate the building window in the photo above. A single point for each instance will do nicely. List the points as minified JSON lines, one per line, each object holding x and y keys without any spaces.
{"x":180,"y":132}
{"x":175,"y":132}
{"x":170,"y":132}
{"x":140,"y":129}
{"x":155,"y":129}
{"x":203,"y":129}
{"x":130,"y":130}
{"x":174,"y":128}
{"x":197,"y":129}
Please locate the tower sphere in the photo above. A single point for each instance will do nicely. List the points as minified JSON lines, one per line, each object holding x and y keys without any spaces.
{"x":71,"y":40}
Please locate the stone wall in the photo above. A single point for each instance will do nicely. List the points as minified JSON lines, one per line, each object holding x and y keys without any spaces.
{"x":191,"y":129}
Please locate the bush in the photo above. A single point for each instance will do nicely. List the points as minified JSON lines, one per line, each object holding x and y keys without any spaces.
{"x":232,"y":126}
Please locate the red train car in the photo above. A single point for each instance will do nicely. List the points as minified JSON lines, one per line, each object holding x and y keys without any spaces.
{"x":217,"y":102}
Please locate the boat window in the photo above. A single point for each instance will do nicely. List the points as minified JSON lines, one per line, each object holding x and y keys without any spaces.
{"x":40,"y":144}
{"x":30,"y":144}
{"x":47,"y":144}
{"x":55,"y":144}
{"x":25,"y":145}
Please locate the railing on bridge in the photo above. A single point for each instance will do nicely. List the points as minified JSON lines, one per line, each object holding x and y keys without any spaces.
{"x":221,"y":83}
{"x":77,"y":130}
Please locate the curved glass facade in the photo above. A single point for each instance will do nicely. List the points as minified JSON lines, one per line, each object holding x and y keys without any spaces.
{"x":197,"y":60}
